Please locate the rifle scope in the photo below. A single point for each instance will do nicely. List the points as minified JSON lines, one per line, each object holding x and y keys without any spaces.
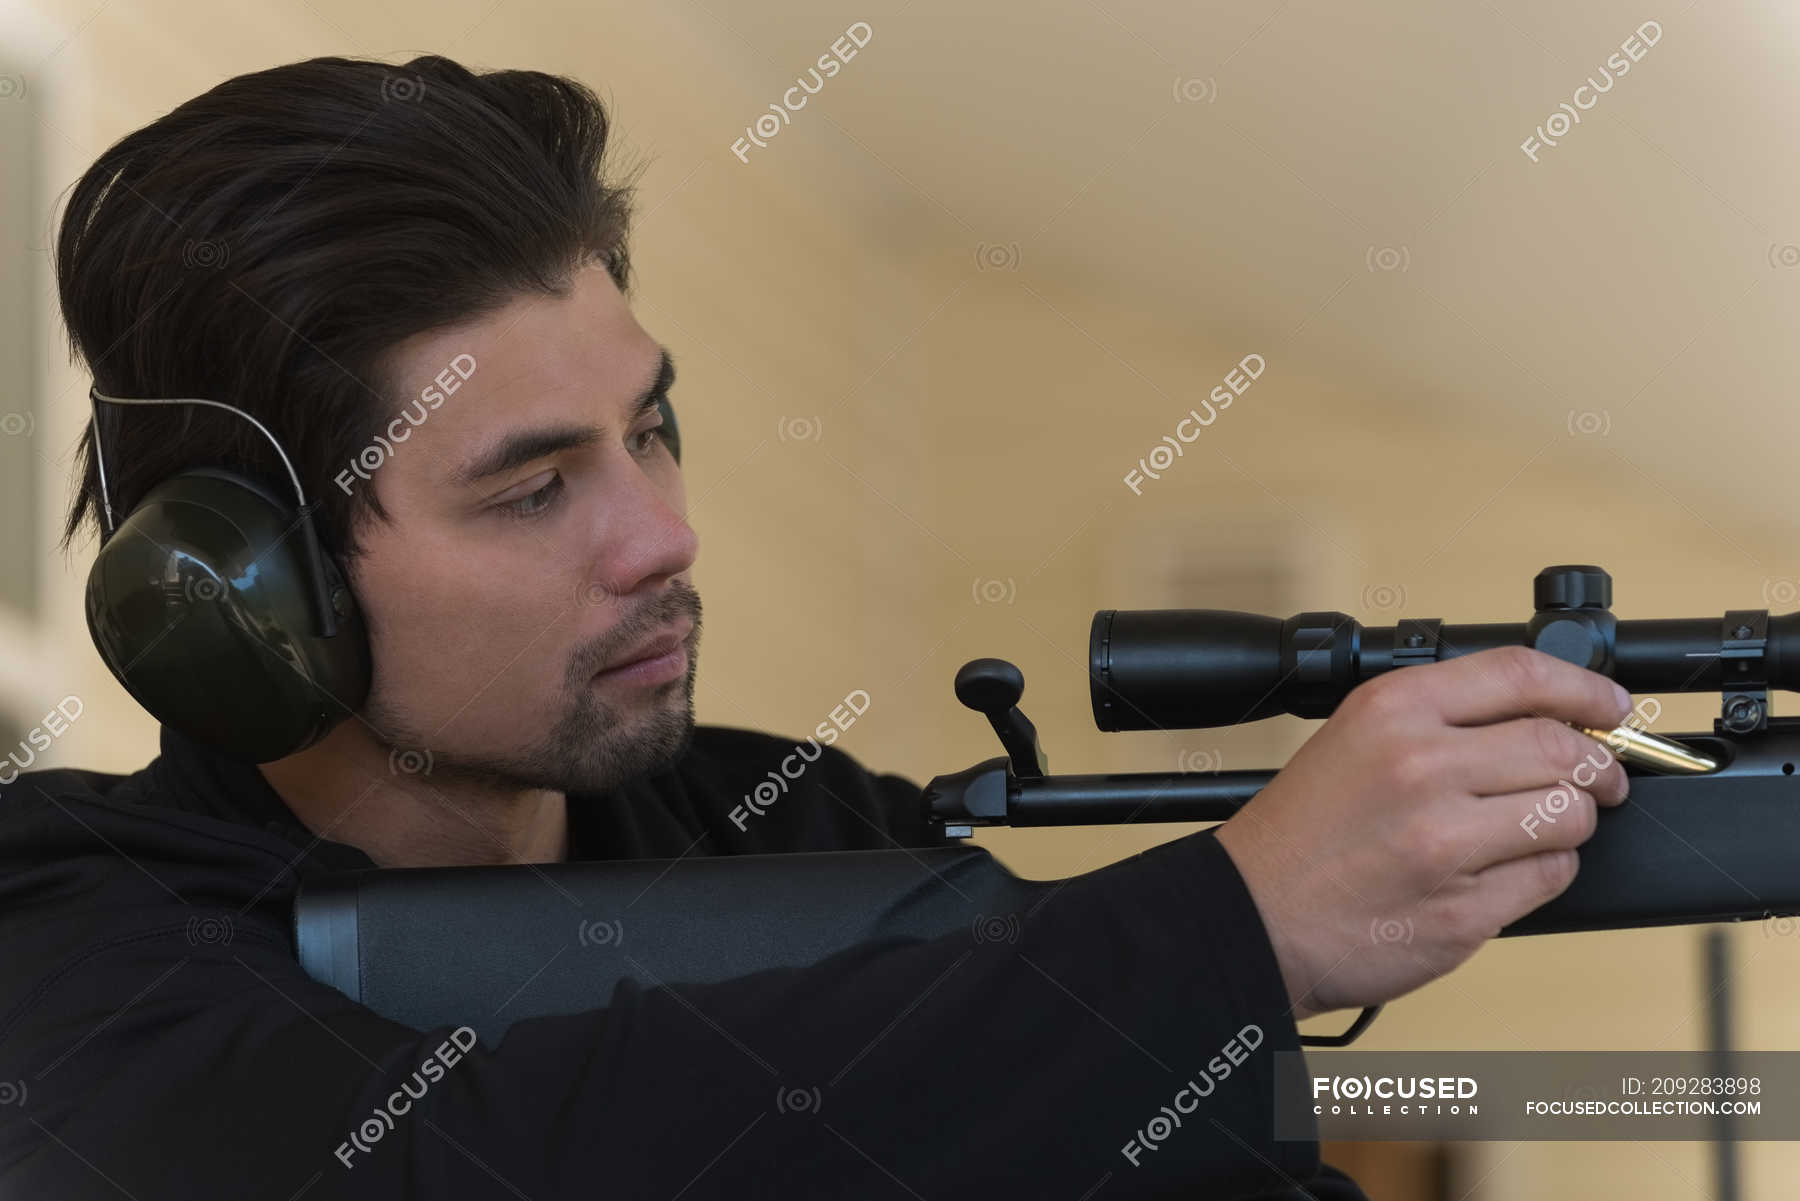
{"x":1183,"y":669}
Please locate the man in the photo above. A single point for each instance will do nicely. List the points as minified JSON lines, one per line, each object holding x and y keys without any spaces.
{"x":315,"y":244}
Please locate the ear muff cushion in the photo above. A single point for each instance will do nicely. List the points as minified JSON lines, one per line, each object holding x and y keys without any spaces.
{"x":200,"y":604}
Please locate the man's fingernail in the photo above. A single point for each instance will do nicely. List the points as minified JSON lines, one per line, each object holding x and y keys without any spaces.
{"x":1624,"y":696}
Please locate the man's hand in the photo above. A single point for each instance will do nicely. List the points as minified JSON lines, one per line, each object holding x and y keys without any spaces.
{"x":1436,"y":805}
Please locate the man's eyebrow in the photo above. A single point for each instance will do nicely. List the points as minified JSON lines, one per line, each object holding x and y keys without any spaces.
{"x":520,"y":447}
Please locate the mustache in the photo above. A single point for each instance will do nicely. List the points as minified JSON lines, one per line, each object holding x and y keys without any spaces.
{"x":680,"y":600}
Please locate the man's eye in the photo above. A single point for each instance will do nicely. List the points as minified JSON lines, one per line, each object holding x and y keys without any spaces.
{"x":648,"y":438}
{"x":537,"y":503}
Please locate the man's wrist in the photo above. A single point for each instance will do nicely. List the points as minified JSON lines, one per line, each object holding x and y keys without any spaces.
{"x":1294,"y":976}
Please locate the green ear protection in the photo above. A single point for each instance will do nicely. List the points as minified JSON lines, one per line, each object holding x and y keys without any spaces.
{"x":216,"y":606}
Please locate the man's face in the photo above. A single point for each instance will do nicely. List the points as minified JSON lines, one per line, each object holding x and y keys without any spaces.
{"x":538,"y":534}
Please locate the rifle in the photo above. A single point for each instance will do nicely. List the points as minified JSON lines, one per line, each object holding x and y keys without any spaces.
{"x":449,"y":946}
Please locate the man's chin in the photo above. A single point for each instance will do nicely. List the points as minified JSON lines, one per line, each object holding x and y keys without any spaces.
{"x":667,"y":737}
{"x":652,"y":740}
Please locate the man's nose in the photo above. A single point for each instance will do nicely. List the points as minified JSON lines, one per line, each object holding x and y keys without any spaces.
{"x":645,"y":538}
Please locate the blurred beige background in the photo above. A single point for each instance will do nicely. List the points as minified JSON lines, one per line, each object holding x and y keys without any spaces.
{"x":926,"y":331}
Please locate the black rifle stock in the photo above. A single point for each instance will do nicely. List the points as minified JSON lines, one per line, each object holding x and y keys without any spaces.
{"x":482,"y":946}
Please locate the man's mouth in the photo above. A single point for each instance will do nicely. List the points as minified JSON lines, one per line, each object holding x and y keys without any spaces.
{"x":661,"y":657}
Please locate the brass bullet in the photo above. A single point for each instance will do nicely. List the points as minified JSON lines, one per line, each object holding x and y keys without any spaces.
{"x":1649,"y":750}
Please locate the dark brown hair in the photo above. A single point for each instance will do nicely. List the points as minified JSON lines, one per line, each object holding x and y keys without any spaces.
{"x":267,"y":242}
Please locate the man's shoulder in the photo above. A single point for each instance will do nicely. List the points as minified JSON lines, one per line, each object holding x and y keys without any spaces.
{"x":125,"y":818}
{"x":93,"y":860}
{"x":34,"y":791}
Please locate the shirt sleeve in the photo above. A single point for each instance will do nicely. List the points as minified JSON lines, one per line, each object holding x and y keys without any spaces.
{"x":160,"y":1040}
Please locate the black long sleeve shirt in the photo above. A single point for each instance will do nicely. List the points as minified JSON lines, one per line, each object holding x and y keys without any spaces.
{"x":160,"y":1042}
